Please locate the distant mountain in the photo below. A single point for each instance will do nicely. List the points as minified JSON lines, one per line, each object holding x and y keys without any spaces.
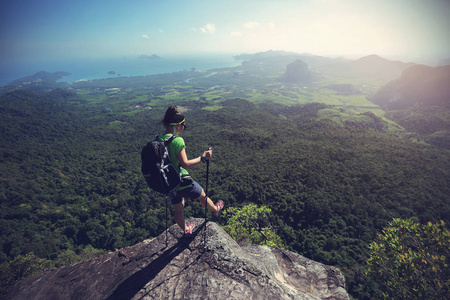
{"x":38,"y":82}
{"x":42,"y":76}
{"x":374,"y":65}
{"x":417,"y":85}
{"x":284,"y":57}
{"x":377,"y":62}
{"x":265,"y":55}
{"x":296,"y":72}
{"x":420,"y":101}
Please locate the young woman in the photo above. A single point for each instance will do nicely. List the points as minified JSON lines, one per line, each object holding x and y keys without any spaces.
{"x":175,"y":124}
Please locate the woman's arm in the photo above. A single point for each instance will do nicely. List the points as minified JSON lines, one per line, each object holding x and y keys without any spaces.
{"x":189,"y":163}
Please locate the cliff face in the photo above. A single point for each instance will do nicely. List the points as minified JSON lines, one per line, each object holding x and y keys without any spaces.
{"x":186,"y":270}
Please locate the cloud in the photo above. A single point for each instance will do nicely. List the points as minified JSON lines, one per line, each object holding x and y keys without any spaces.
{"x":272,"y":26}
{"x":251,"y":25}
{"x":235,"y":34}
{"x":209,"y":28}
{"x":145,"y":36}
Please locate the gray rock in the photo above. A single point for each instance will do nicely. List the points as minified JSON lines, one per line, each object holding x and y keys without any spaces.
{"x":185,"y":269}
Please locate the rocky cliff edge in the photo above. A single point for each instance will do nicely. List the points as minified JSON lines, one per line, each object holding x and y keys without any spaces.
{"x":185,"y":269}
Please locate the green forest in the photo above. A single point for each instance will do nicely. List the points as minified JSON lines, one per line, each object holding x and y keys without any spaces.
{"x":332,"y":175}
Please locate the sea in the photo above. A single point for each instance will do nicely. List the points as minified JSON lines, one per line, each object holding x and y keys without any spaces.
{"x":99,"y":68}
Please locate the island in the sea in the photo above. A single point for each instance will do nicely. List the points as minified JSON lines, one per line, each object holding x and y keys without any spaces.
{"x":153,"y":56}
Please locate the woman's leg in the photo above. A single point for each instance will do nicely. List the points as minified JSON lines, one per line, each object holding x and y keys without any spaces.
{"x":179,"y":215}
{"x":210,"y":205}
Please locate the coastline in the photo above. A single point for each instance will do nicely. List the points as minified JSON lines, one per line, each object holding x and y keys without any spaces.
{"x":101,"y":68}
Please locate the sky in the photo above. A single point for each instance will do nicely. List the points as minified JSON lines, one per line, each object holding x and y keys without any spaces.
{"x":34,"y":30}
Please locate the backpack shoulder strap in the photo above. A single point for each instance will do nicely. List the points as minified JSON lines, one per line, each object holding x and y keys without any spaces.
{"x":166,"y":141}
{"x":169,"y":139}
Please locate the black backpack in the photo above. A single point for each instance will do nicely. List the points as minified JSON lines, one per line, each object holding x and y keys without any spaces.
{"x":159,"y":172}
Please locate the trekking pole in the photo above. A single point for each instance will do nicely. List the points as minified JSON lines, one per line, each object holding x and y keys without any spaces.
{"x":206,"y":196}
{"x":167,"y":239}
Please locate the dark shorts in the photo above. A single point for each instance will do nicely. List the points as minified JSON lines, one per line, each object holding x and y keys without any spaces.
{"x":193,"y":191}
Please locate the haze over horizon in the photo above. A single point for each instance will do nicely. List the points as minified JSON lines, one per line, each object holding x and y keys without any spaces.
{"x":50,"y":29}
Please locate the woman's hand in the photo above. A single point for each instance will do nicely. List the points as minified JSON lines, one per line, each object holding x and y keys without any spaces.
{"x":208,"y":154}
